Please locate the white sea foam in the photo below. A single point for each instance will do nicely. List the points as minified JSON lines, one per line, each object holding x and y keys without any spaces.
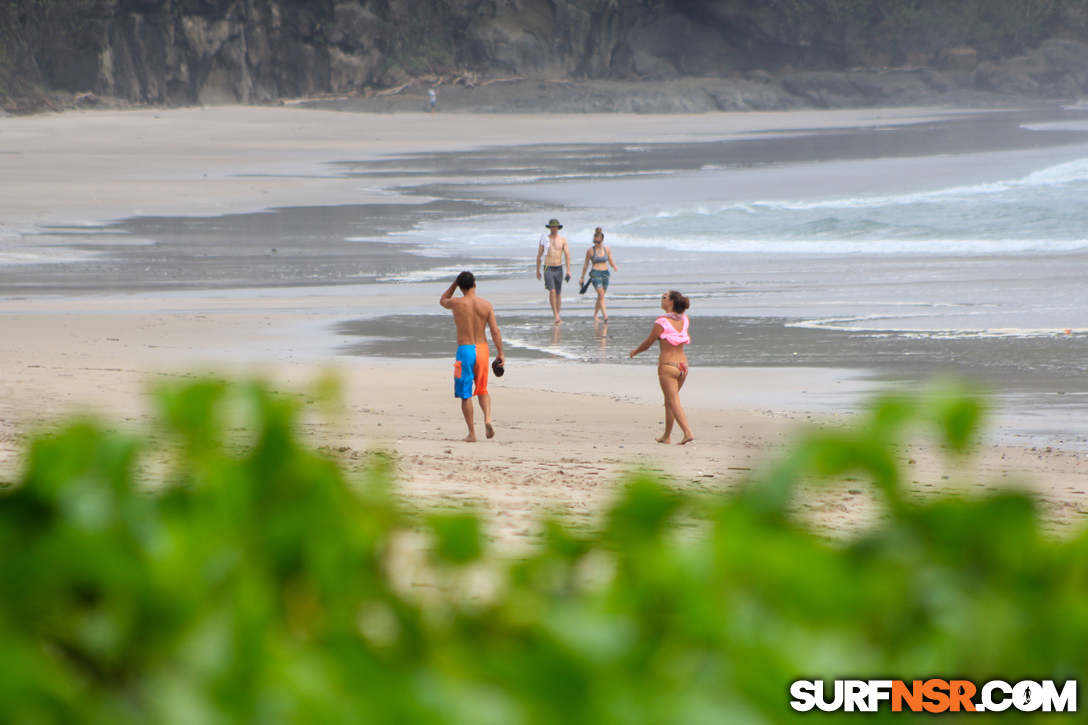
{"x":1059,"y":125}
{"x":444,"y":273}
{"x":996,"y":333}
{"x":557,"y":350}
{"x":885,"y":325}
{"x":50,"y":256}
{"x":945,"y":247}
{"x":1040,"y":212}
{"x":1073,"y":172}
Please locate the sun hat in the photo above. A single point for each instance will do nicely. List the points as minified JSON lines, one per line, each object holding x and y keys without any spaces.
{"x":554,"y":223}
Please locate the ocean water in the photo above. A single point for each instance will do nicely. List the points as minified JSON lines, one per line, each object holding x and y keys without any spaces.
{"x":984,"y":244}
{"x":943,"y":251}
{"x":1043,"y":211}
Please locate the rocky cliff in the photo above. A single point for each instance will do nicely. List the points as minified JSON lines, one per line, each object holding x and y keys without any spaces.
{"x":179,"y":52}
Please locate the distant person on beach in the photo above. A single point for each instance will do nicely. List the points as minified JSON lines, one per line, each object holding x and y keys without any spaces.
{"x":434,"y":98}
{"x":473,"y":315}
{"x":599,"y":256}
{"x":672,"y":364}
{"x":553,"y":250}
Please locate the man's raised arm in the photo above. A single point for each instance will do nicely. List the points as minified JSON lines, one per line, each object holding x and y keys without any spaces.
{"x":447,"y":296}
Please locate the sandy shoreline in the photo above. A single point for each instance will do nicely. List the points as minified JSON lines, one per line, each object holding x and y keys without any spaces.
{"x":564,"y":436}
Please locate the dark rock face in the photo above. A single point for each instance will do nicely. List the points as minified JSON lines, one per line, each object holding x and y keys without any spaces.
{"x":246,"y":51}
{"x":774,"y":55}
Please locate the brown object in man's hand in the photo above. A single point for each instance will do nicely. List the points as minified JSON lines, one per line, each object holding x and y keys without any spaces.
{"x":498,"y":368}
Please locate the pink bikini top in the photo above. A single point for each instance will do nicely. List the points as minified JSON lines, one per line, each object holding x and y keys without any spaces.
{"x":670,"y":334}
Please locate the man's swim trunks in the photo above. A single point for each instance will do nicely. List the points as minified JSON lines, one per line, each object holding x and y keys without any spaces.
{"x":553,"y":278}
{"x":470,"y":367}
{"x":599,"y":278}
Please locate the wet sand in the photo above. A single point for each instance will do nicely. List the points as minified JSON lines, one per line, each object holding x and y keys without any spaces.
{"x":88,"y":166}
{"x":221,"y":198}
{"x":565,"y":431}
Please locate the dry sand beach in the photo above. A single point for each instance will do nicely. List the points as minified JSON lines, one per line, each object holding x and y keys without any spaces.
{"x":565,"y":432}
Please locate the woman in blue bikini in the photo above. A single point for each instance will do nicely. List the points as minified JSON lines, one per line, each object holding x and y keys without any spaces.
{"x":672,"y":364}
{"x":600,"y":257}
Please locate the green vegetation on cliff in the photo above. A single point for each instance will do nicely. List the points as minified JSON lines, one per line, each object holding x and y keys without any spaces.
{"x":252,"y":582}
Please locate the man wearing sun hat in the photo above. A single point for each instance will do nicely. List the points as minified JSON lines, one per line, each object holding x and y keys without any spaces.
{"x":553,"y":250}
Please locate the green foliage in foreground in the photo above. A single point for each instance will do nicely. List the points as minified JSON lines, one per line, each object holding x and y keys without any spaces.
{"x":255,"y":585}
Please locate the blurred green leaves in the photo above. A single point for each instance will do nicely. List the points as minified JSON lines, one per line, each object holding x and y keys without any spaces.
{"x":252,"y":582}
{"x":458,"y":539}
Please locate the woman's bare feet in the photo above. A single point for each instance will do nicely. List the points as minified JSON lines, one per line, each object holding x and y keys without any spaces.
{"x":687,"y":439}
{"x":490,"y":430}
{"x":470,"y":438}
{"x":663,"y":439}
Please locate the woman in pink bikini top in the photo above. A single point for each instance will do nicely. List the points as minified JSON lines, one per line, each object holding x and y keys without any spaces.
{"x":672,"y":364}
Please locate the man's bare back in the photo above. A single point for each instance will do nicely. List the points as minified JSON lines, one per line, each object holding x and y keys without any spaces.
{"x":473,"y":316}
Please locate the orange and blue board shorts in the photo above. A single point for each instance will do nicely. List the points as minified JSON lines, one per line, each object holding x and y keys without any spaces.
{"x":470,"y":367}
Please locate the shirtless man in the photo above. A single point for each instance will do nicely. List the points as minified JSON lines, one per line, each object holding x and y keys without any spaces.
{"x":471,"y":315}
{"x":553,"y":250}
